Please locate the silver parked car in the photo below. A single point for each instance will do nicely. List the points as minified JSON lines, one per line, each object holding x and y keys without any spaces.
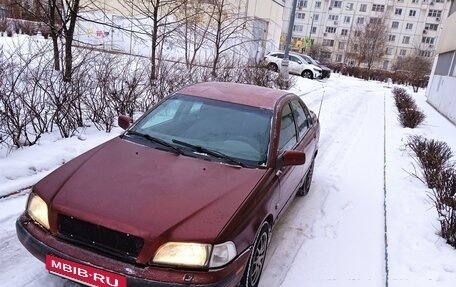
{"x":297,"y":65}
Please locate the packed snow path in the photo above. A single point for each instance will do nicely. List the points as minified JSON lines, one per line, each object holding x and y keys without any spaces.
{"x":335,"y":235}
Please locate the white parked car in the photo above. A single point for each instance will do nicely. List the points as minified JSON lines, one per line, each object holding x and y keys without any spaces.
{"x":296,"y":65}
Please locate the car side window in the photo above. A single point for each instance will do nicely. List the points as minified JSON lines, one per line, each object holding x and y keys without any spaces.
{"x":287,"y":138}
{"x":300,"y":118}
{"x":295,"y":59}
{"x":280,"y":56}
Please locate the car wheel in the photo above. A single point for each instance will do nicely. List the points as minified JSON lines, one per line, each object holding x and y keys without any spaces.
{"x":273,"y":67}
{"x":307,"y":74}
{"x":305,"y":188}
{"x":256,"y":261}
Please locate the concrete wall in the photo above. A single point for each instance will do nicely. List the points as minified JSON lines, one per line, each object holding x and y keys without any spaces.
{"x":442,"y":83}
{"x":441,"y":95}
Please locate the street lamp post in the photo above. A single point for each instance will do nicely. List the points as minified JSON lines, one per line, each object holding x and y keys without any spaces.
{"x":310,"y":32}
{"x":284,"y":67}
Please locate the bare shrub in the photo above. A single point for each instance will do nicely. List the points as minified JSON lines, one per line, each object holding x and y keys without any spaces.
{"x":411,"y":118}
{"x":100,"y":109}
{"x":433,"y":157}
{"x":409,"y":114}
{"x":403,"y":100}
{"x":444,"y":197}
{"x":258,"y":75}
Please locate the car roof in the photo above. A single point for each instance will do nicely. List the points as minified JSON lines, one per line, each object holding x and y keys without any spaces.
{"x":250,"y":95}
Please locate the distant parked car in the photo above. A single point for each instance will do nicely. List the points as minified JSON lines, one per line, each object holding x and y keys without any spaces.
{"x":325,"y":71}
{"x":296,"y":65}
{"x":187,"y":196}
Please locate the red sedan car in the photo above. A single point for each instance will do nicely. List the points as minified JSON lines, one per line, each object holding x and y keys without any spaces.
{"x":187,"y":196}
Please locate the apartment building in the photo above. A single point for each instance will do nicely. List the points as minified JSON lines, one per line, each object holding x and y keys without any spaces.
{"x":442,"y":83}
{"x":413,"y":25}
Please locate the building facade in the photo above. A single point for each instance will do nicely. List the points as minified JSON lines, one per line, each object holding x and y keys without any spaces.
{"x":263,"y":27}
{"x":442,"y":83}
{"x":413,"y":26}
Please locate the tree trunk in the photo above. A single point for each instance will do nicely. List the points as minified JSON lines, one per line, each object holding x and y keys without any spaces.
{"x":69,"y":41}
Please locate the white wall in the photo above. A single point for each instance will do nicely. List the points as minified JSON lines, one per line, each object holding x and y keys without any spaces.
{"x":441,"y":95}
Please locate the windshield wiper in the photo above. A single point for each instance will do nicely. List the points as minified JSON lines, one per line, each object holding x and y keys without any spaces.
{"x":156,"y":140}
{"x":207,"y":151}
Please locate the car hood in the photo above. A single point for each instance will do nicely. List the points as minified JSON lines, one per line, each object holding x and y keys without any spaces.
{"x":151,"y":193}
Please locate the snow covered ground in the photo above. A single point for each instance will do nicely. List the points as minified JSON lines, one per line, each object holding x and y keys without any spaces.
{"x":335,"y":236}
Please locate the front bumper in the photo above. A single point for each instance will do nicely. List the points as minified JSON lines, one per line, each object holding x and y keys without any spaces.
{"x":39,"y":242}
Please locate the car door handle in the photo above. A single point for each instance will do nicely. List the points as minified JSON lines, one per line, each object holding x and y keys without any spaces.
{"x":279,"y":172}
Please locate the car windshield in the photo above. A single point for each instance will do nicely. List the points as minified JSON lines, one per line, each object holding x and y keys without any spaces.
{"x":197,"y":124}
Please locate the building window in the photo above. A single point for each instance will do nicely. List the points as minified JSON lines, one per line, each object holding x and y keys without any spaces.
{"x":360,"y":20}
{"x":333,"y":17}
{"x":424,"y":53}
{"x":347,"y":19}
{"x":378,"y":8}
{"x":409,"y":26}
{"x":349,"y":6}
{"x":316,"y":17}
{"x":428,"y":40}
{"x":337,"y":4}
{"x":395,"y":25}
{"x":405,"y":40}
{"x":328,"y":43}
{"x":339,"y":58}
{"x":435,"y":13}
{"x":330,"y":30}
{"x":430,"y":26}
{"x":412,"y":13}
{"x":403,"y":52}
{"x":302,"y":3}
{"x":385,"y":65}
{"x":317,"y":5}
{"x":363,"y":8}
{"x":357,"y":33}
{"x":414,"y":1}
{"x":341,"y":45}
{"x":314,"y":30}
{"x":344,"y":32}
{"x":325,"y":55}
{"x":398,"y":11}
{"x":298,"y":28}
{"x":375,"y":20}
{"x":389,"y":51}
{"x":391,"y":38}
{"x":300,"y":15}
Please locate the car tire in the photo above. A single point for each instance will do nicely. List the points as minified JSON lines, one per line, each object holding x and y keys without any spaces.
{"x":255,"y":264}
{"x":305,"y":187}
{"x":273,"y":67}
{"x":307,"y":74}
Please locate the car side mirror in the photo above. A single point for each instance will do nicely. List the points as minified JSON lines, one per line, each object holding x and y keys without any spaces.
{"x":292,"y":157}
{"x":124,"y":121}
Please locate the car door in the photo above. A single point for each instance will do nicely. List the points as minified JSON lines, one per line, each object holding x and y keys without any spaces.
{"x":295,"y":65}
{"x":289,"y":177}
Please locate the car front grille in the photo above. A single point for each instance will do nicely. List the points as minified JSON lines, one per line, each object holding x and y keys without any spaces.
{"x":99,"y":238}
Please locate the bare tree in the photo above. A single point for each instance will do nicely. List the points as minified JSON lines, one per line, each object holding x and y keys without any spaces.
{"x":229,"y":25}
{"x":417,"y":69}
{"x":160,"y":16}
{"x":197,"y":21}
{"x":369,"y":42}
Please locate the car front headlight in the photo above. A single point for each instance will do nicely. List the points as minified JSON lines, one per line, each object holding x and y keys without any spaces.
{"x":38,"y":210}
{"x":195,"y":254}
{"x":183,"y":254}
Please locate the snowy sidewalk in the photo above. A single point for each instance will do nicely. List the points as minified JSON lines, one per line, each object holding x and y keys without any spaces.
{"x":334,"y":237}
